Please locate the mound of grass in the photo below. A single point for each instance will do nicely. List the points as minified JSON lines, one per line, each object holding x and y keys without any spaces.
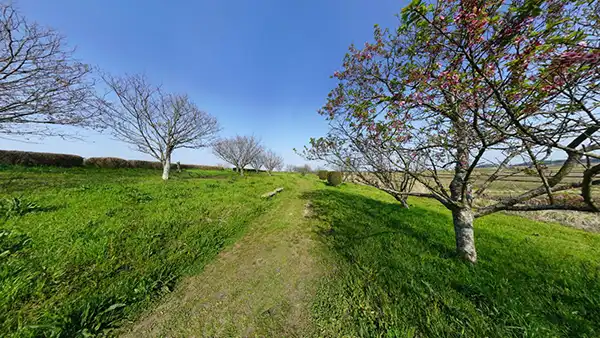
{"x":395,"y":275}
{"x":83,"y":249}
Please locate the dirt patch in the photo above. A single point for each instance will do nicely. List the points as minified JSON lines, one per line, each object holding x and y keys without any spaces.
{"x":576,"y":219}
{"x":308,"y":210}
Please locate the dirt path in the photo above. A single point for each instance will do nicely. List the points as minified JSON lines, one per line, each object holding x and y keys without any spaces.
{"x":262,"y":286}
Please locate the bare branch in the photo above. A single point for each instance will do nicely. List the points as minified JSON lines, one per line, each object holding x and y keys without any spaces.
{"x":41,"y":83}
{"x":152,"y":122}
{"x":239,"y":151}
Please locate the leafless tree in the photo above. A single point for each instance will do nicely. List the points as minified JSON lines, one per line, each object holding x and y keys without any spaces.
{"x":363,"y":160}
{"x":239,"y":151}
{"x":153,"y":122}
{"x":272,"y":161}
{"x":41,"y":83}
{"x":258,"y":161}
{"x":301,"y":169}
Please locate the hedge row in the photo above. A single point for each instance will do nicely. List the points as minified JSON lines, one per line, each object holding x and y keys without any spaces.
{"x":28,"y":158}
{"x":31,"y":159}
{"x":106,"y":162}
{"x":115,"y":162}
{"x":198,"y":166}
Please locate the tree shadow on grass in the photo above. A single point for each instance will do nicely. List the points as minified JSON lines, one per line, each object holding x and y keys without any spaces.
{"x":399,"y":264}
{"x":356,"y":218}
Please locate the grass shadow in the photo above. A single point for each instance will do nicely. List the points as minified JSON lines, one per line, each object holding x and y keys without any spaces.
{"x":395,"y":275}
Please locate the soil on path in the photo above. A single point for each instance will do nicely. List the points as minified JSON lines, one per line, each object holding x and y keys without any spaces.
{"x":261,"y":286}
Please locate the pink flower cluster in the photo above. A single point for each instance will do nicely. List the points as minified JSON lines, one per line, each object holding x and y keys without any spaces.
{"x":580,"y":57}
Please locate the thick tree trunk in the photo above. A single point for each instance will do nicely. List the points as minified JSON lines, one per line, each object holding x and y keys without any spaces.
{"x":465,"y":237}
{"x":241,"y":171}
{"x":166,"y":168}
{"x":460,"y":192}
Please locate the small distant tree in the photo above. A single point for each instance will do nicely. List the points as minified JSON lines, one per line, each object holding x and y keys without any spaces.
{"x":239,"y":151}
{"x":153,"y":122}
{"x":303,"y":169}
{"x":41,"y":83}
{"x":461,"y":84}
{"x":258,"y":161}
{"x":272,"y":161}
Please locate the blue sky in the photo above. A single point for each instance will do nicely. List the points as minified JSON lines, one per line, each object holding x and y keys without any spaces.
{"x":261,"y":67}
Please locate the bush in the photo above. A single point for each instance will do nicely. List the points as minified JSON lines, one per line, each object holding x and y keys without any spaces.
{"x":30,"y":159}
{"x":144,"y":164}
{"x":334,"y":178}
{"x":322,"y":174}
{"x":201,"y":167}
{"x":106,"y":162}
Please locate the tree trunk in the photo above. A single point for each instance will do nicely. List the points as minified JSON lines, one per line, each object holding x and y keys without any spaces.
{"x":401,"y":199}
{"x":460,"y":192}
{"x":241,"y":171}
{"x":465,"y":237}
{"x":166,"y":168}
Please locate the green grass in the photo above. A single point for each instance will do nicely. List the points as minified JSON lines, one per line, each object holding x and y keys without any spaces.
{"x":394,"y":274}
{"x":81,"y":250}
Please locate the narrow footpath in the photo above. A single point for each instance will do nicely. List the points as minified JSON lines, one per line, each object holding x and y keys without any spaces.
{"x":261,"y":286}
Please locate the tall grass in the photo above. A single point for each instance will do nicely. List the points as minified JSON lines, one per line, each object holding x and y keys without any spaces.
{"x":395,"y":275}
{"x":82,"y":250}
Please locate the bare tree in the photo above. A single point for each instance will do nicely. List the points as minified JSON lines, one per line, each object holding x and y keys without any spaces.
{"x":363,"y":159}
{"x":239,"y":151}
{"x":41,"y":83}
{"x":301,"y":169}
{"x":258,"y":161}
{"x":272,"y":161}
{"x":153,"y":122}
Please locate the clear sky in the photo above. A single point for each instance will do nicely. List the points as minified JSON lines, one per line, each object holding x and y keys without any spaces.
{"x":261,"y":67}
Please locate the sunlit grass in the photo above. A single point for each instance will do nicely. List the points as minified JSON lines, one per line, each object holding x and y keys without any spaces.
{"x":395,"y":274}
{"x":85,"y":249}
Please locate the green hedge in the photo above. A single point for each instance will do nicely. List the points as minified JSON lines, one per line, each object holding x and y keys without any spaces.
{"x":144,"y":164}
{"x":31,"y":159}
{"x":334,"y":178}
{"x":106,"y":162}
{"x":322,"y":174}
{"x":198,"y":166}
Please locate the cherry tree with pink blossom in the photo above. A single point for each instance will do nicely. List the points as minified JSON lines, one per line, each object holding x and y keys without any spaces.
{"x":463,"y":84}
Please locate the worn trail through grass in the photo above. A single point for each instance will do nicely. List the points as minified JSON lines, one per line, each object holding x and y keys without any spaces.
{"x":261,"y":286}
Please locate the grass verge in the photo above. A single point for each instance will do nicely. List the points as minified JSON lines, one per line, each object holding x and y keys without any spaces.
{"x":81,"y":249}
{"x":394,"y":275}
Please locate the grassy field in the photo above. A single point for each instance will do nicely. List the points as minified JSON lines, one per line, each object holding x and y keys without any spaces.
{"x":83,"y":249}
{"x":394,"y":275}
{"x":119,"y":251}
